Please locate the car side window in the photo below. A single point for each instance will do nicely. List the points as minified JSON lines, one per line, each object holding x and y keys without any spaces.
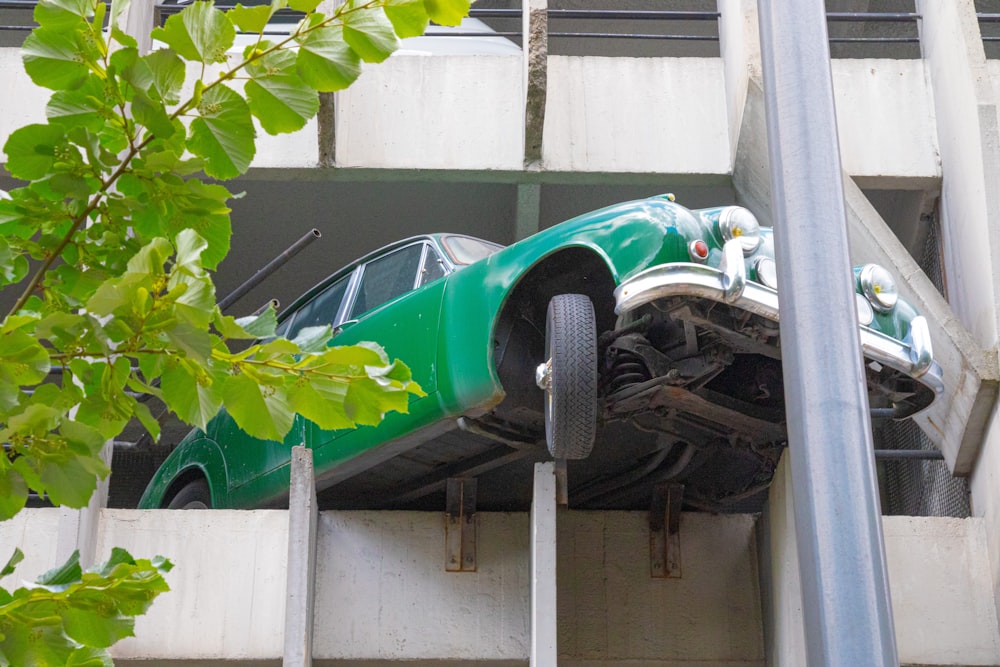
{"x":387,"y":277}
{"x":322,"y":310}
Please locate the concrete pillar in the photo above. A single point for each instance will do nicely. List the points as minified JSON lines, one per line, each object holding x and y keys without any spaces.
{"x":78,"y":528}
{"x":535,"y":45}
{"x":965,"y":108}
{"x":739,"y":45}
{"x":137,"y":20}
{"x":543,"y":567}
{"x":303,"y":519}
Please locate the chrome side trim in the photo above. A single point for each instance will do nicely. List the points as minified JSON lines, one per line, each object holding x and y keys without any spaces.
{"x":913,"y":357}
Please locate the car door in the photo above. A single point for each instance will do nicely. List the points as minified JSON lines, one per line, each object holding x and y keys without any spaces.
{"x":396,"y":303}
{"x":258,"y":468}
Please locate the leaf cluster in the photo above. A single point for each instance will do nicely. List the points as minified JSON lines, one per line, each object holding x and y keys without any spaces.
{"x":69,"y":617}
{"x":113,"y":240}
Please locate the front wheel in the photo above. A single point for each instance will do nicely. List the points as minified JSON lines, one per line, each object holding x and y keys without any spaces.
{"x":193,"y":496}
{"x":568,"y":376}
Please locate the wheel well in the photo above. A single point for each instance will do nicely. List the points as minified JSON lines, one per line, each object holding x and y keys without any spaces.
{"x":182,"y":480}
{"x":520,"y":332}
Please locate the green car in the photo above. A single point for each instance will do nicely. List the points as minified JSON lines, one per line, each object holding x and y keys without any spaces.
{"x":639,"y":342}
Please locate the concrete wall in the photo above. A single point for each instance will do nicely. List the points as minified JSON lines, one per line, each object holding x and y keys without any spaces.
{"x":885,"y":118}
{"x":943,"y":613}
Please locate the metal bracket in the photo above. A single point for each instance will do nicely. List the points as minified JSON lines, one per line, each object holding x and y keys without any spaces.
{"x":665,"y":532}
{"x":460,"y":525}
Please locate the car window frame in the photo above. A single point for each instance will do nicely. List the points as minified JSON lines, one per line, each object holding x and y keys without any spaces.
{"x":357,"y":279}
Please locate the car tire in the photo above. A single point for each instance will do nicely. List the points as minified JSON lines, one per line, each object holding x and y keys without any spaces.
{"x":569,"y":376}
{"x":194,"y":496}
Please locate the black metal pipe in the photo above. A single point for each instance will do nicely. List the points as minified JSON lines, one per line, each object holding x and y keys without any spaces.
{"x":988,"y":18}
{"x":600,"y":35}
{"x":635,"y":15}
{"x":269,"y":268}
{"x":866,"y":17}
{"x":909,"y":454}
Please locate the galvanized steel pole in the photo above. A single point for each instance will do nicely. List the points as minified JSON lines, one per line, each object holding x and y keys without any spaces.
{"x":845,"y":591}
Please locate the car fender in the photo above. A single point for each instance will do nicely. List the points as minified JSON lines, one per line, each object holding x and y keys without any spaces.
{"x":195,"y":456}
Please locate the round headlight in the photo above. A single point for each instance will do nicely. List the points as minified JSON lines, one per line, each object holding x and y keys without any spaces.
{"x":879,"y":286}
{"x":767,"y":272}
{"x":735,"y":222}
{"x":865,"y":312}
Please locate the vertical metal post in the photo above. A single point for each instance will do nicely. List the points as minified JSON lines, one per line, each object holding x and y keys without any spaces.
{"x":543,"y":567}
{"x":303,"y":518}
{"x":846,"y":604}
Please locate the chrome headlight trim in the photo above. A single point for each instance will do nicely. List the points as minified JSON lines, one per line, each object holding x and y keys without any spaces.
{"x":879,"y":286}
{"x":864,"y":308}
{"x":736,"y":222}
{"x":767,"y":272}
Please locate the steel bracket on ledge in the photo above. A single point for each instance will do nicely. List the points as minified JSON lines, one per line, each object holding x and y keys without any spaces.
{"x":665,"y":532}
{"x":460,"y":525}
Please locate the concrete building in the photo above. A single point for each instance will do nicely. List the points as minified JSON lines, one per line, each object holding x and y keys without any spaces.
{"x":502,"y":144}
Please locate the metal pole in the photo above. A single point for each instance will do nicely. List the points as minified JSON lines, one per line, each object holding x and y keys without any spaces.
{"x":269,"y":268}
{"x":845,"y":592}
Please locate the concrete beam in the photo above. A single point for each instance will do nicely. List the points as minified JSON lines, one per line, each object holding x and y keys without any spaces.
{"x":956,"y":422}
{"x":303,"y":518}
{"x":543,"y":567}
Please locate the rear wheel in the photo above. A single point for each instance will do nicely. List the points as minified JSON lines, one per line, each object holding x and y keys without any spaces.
{"x":194,"y":496}
{"x":569,"y":376}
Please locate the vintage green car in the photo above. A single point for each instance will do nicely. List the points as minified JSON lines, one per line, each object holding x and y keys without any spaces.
{"x":639,"y":341}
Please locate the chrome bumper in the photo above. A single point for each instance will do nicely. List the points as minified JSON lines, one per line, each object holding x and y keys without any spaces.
{"x":728,"y":284}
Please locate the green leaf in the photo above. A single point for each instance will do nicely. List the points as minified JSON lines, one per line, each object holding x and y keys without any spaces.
{"x":62,"y":13}
{"x":326,"y":62}
{"x":190,"y":391}
{"x":321,"y":402}
{"x":304,"y":5}
{"x":63,"y":575}
{"x":261,"y":325}
{"x":250,"y":19}
{"x":86,"y":106}
{"x":409,"y":17}
{"x":199,"y":32}
{"x":370,"y":33}
{"x":23,"y":361}
{"x":118,"y":8}
{"x":167,"y":72}
{"x":223,"y":133}
{"x":92,"y":627}
{"x":53,"y":59}
{"x":146,"y":418}
{"x":13,"y":493}
{"x":263,"y":412}
{"x":15,"y":558}
{"x":277,"y":96}
{"x":13,"y":265}
{"x":447,"y":12}
{"x":313,"y":339}
{"x":31,"y":150}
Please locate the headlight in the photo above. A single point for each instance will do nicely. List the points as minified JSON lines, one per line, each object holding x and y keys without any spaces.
{"x":767,"y":272}
{"x":879,"y":286}
{"x":735,"y":222}
{"x":865,"y":312}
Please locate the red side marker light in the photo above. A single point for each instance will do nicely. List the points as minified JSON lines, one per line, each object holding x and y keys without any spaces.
{"x":698,"y":250}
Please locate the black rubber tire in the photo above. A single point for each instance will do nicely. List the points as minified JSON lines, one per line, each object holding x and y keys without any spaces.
{"x":194,"y":496}
{"x":571,"y":398}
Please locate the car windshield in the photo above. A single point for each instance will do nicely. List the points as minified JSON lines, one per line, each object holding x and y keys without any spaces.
{"x":466,"y":250}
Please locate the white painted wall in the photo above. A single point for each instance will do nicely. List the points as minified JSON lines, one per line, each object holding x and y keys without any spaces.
{"x":22,"y":102}
{"x":885,"y":118}
{"x":640,"y":115}
{"x":429,"y":112}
